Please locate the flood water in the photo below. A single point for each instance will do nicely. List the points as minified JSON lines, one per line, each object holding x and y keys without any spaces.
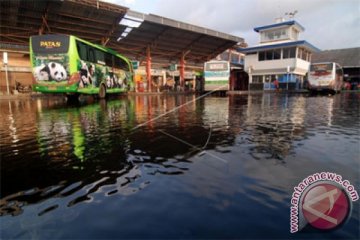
{"x":165,"y":167}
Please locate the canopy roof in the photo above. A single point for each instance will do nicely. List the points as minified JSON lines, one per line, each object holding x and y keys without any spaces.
{"x":108,"y":24}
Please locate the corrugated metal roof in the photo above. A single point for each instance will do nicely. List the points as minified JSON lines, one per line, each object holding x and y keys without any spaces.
{"x":349,"y":57}
{"x":169,"y":39}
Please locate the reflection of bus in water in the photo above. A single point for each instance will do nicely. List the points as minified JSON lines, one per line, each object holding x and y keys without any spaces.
{"x":64,"y":133}
{"x":327,"y":76}
{"x":217,"y":75}
{"x":70,"y":65}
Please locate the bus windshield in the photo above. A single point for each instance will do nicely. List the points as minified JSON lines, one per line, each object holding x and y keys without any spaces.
{"x":321,"y":69}
{"x":48,"y":44}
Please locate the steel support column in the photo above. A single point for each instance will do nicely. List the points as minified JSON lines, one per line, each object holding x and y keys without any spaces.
{"x":148,"y":68}
{"x":182,"y":71}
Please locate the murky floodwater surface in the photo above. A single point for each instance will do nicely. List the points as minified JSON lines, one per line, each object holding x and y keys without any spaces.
{"x":144,"y":167}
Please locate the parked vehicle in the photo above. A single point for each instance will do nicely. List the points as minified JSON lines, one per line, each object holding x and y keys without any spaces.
{"x":70,"y":65}
{"x":327,"y":76}
{"x":217,"y":75}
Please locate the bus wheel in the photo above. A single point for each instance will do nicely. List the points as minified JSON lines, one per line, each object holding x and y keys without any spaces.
{"x":102,"y":91}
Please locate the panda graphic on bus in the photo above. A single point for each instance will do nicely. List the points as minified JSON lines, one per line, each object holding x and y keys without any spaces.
{"x":51,"y":71}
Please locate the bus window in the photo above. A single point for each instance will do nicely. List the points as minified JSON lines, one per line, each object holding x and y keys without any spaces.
{"x":91,"y":55}
{"x":120,"y":63}
{"x":109,"y":60}
{"x":339,"y":70}
{"x":99,"y":57}
{"x":82,"y":50}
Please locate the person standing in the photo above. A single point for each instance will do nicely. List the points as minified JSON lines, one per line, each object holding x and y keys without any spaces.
{"x":276,"y":84}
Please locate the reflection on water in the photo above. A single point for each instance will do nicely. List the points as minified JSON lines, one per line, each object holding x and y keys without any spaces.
{"x":237,"y":158}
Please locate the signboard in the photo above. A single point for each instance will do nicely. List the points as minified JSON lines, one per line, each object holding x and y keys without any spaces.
{"x":5,"y":58}
{"x":173,"y":67}
{"x":50,"y":44}
{"x":135,"y":64}
{"x":216,"y":66}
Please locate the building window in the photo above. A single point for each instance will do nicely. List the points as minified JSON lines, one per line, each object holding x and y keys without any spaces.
{"x":295,"y":34}
{"x":299,"y":54}
{"x":303,"y":54}
{"x":257,"y":79}
{"x":270,"y":78}
{"x":261,"y":56}
{"x":273,"y":54}
{"x":289,"y":52}
{"x":269,"y":55}
{"x":234,"y":58}
{"x":277,"y":54}
{"x":278,"y":34}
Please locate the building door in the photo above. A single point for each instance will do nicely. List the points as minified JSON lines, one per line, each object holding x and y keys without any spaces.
{"x":239,"y":80}
{"x":267,"y":82}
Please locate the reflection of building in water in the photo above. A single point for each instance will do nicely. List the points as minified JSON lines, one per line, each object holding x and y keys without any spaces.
{"x":237,"y":112}
{"x":179,"y":124}
{"x":275,"y":122}
{"x":12,"y":119}
{"x":153,"y":110}
{"x":216,"y":111}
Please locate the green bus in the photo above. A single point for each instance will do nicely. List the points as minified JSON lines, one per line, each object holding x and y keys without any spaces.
{"x":72,"y":66}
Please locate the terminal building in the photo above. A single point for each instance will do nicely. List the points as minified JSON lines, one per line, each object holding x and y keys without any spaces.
{"x":280,"y":56}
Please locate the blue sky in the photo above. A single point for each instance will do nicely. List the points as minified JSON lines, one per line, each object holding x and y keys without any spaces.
{"x":329,"y":24}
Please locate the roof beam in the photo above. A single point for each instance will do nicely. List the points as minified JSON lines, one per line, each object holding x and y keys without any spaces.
{"x":107,"y":36}
{"x":13,"y":39}
{"x":44,"y":20}
{"x":83,"y":18}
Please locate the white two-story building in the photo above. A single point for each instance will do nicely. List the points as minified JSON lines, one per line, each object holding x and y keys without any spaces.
{"x":280,"y":55}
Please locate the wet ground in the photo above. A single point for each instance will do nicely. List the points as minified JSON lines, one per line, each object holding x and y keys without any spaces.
{"x":171,"y":166}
